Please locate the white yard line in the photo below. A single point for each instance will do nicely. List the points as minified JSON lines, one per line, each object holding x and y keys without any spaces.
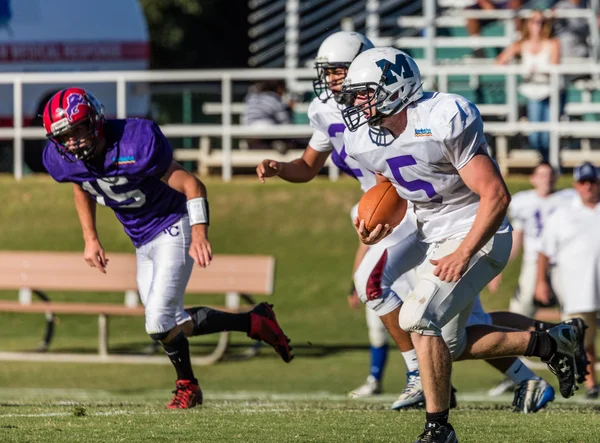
{"x":241,"y":402}
{"x":92,"y":414}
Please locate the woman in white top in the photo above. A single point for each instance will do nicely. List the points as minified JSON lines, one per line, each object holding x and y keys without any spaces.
{"x":537,"y":49}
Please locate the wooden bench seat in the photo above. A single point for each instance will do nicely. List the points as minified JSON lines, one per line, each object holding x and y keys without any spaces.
{"x":29,"y":272}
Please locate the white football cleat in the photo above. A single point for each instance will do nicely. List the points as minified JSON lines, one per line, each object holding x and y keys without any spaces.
{"x":371,"y":387}
{"x":506,"y":385}
{"x":413,"y":395}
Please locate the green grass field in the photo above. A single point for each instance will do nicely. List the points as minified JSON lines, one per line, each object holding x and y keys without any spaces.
{"x":308,"y":230}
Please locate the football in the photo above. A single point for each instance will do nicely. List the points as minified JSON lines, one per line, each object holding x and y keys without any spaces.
{"x":380,"y":205}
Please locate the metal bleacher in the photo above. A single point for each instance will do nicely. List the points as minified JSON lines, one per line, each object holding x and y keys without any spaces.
{"x":434,"y":35}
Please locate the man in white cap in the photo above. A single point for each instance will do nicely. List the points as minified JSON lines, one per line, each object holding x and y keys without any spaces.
{"x":572,"y":239}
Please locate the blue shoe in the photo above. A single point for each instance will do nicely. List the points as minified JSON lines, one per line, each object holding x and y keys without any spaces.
{"x":412,"y":396}
{"x":533,"y":395}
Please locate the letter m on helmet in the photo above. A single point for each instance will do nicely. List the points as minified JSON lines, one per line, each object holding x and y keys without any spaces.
{"x":401,"y":68}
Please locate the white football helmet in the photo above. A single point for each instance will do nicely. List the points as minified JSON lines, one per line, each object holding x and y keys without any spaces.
{"x":337,"y":51}
{"x":392,"y":79}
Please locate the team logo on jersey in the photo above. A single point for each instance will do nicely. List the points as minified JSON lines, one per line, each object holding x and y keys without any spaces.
{"x":74,"y":101}
{"x":425,"y":132}
{"x":128,"y":160}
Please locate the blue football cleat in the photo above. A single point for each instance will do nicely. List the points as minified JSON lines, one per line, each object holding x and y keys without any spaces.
{"x":533,"y":395}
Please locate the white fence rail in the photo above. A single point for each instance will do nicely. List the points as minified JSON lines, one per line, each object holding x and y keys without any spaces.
{"x":297,"y":80}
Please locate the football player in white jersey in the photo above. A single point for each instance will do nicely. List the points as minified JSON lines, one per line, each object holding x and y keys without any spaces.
{"x":528,"y":213}
{"x":432,"y":148}
{"x":379,"y":290}
{"x":334,"y":56}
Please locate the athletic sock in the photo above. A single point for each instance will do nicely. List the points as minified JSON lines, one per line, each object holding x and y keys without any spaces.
{"x":441,"y":418}
{"x":541,"y":345}
{"x":518,"y":372}
{"x":178,"y":351}
{"x":410,"y":358}
{"x":378,"y":360}
{"x":208,"y":321}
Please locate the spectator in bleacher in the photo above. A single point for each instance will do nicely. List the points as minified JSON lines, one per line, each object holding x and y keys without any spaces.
{"x":265,"y":107}
{"x":474,"y":25}
{"x":572,"y":239}
{"x":537,"y":49}
{"x":572,"y":32}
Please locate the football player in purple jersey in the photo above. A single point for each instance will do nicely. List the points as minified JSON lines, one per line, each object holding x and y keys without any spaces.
{"x":127,"y":165}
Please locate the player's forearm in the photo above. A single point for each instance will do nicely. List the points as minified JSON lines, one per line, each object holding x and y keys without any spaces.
{"x":542,"y":268}
{"x":185,"y":182}
{"x":192,"y":187}
{"x":197,"y":205}
{"x":297,"y":171}
{"x":86,"y":211}
{"x":488,"y":219}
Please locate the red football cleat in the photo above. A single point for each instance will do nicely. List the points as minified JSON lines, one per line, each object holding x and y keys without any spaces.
{"x":187,"y":395}
{"x":264,"y":326}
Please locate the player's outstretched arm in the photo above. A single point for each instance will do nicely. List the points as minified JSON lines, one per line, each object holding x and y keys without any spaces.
{"x":195,"y":191}
{"x":85,"y":205}
{"x":301,"y":170}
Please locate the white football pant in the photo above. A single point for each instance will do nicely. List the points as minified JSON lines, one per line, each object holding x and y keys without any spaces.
{"x":438,"y":308}
{"x":164,"y":267}
{"x":522,"y":301}
{"x":523,"y":298}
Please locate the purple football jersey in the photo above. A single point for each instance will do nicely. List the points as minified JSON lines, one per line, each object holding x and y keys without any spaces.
{"x":129,"y":180}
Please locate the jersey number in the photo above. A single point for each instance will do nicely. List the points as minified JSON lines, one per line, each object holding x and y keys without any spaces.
{"x":397,"y":163}
{"x":334,"y":130}
{"x":538,"y":223}
{"x":135,"y":197}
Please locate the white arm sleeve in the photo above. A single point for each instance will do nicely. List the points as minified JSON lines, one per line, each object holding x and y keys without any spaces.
{"x":320,"y":142}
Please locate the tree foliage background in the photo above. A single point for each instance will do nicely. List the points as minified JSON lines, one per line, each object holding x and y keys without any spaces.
{"x":187,"y":34}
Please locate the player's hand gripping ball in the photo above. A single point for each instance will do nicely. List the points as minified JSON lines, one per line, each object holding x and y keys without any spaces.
{"x":381,"y":205}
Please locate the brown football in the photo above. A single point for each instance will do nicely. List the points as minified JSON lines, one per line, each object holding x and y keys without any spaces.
{"x":380,"y":205}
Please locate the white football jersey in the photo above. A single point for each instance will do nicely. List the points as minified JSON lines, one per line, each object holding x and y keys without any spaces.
{"x":326,"y":119}
{"x":529,"y":212}
{"x":443,"y":133}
